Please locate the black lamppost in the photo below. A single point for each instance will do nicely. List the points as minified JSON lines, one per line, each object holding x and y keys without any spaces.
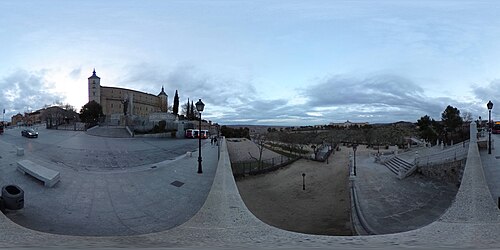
{"x":354,"y":147}
{"x":490,"y":106}
{"x":199,"y":106}
{"x":303,"y":181}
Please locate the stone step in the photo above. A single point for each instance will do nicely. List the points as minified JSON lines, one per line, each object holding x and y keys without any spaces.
{"x":396,"y":164}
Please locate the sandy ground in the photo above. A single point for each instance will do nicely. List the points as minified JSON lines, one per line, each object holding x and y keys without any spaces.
{"x":277,"y":198}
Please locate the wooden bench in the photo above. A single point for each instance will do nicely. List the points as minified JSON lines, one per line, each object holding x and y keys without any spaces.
{"x":48,"y":176}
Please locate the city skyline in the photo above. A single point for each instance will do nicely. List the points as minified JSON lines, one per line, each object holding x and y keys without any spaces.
{"x":258,"y":62}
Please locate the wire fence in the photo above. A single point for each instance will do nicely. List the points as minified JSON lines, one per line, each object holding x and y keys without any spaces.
{"x":74,"y":127}
{"x":264,"y":166}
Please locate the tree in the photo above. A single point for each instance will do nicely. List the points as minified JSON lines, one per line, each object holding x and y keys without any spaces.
{"x":429,"y":128}
{"x":192,"y":112}
{"x":451,"y":120}
{"x":259,"y":140}
{"x":188,"y":110}
{"x":91,"y":112}
{"x":175,"y":109}
{"x":467,"y":116}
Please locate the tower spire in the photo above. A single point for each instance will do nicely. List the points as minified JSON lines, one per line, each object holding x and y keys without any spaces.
{"x":94,"y":71}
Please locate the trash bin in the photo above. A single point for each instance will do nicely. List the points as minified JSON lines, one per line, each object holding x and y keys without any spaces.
{"x":13,"y":197}
{"x":2,"y":206}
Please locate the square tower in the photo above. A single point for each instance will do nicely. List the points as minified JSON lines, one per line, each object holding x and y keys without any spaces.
{"x":95,"y":88}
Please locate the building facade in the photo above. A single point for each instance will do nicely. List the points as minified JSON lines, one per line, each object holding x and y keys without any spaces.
{"x":120,"y":101}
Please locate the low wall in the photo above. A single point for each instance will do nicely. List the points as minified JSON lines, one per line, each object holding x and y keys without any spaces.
{"x":157,"y":135}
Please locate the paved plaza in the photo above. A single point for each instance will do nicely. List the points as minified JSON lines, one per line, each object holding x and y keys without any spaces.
{"x":491,"y":165}
{"x":391,"y":205}
{"x":109,"y":186}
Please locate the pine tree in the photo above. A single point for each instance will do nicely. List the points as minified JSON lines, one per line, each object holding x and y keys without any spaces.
{"x":193,"y":115}
{"x":175,"y":109}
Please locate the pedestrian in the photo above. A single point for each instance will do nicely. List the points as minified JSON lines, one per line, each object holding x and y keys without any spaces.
{"x":215,"y":140}
{"x":212,"y":140}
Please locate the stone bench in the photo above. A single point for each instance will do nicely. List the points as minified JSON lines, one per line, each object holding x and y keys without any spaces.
{"x":48,"y":176}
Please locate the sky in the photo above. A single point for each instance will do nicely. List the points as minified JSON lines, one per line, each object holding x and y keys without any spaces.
{"x":258,"y":62}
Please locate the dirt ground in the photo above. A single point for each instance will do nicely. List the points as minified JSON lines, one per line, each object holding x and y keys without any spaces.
{"x":277,"y":198}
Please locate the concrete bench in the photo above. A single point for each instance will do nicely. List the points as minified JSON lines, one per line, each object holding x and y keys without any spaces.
{"x":48,"y":176}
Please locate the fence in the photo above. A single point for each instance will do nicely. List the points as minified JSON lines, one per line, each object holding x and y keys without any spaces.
{"x":79,"y":126}
{"x":253,"y":167}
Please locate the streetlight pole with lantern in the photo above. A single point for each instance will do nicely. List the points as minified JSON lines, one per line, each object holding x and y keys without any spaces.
{"x":490,"y":106}
{"x":199,"y":106}
{"x":354,"y":147}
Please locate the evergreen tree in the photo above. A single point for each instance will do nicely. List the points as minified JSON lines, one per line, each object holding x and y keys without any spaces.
{"x":91,"y":112}
{"x":188,"y":111}
{"x":451,"y":120}
{"x":175,"y":109}
{"x":429,"y":128}
{"x":192,"y":112}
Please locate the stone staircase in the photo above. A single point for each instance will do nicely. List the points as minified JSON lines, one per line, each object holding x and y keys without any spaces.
{"x":397,"y":165}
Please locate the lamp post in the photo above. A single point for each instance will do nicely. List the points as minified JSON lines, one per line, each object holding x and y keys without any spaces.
{"x":490,"y":106}
{"x":303,"y":181}
{"x":199,"y":106}
{"x":354,"y":147}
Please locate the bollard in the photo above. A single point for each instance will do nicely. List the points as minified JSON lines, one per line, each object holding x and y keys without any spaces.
{"x":20,"y":151}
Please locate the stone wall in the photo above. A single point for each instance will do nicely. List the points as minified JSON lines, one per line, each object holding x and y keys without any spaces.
{"x":450,"y":172}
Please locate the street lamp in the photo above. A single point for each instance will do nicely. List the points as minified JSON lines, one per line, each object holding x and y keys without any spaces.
{"x":303,"y":181}
{"x":354,"y":147}
{"x":199,"y":106}
{"x":490,"y":106}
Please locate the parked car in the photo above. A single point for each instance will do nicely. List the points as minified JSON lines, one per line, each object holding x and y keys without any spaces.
{"x":29,"y":133}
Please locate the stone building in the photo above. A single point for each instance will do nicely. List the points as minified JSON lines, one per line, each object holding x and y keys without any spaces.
{"x":17,"y":119}
{"x":117,"y":102}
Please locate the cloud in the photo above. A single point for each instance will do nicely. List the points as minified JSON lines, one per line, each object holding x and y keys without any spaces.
{"x":76,"y":73}
{"x":23,"y":90}
{"x":378,"y":98}
{"x":381,"y":91}
{"x":488,"y":92}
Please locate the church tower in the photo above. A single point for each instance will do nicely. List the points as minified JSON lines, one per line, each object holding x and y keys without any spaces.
{"x":95,"y":88}
{"x":163,"y":100}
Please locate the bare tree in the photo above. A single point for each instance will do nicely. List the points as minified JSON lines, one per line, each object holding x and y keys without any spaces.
{"x":467,"y":116}
{"x":260,"y":141}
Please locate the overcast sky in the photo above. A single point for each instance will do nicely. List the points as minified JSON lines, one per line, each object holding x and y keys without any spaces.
{"x":258,"y":62}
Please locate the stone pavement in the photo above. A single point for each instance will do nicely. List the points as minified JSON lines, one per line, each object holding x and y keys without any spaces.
{"x":112,"y":201}
{"x":491,"y":164}
{"x":109,"y":131}
{"x":391,"y":205}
